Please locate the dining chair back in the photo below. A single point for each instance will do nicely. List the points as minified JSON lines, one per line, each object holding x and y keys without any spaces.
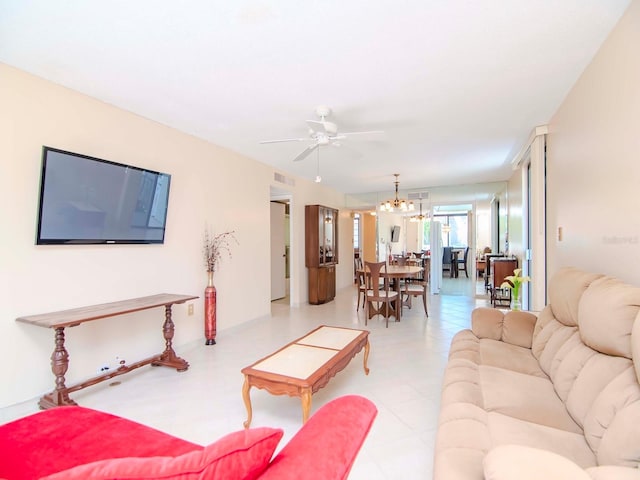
{"x":417,"y":288}
{"x":361,"y":280}
{"x":463,"y":262}
{"x":378,"y":292}
{"x":447,"y":259}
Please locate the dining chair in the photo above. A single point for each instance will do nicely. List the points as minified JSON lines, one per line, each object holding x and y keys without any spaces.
{"x":463,"y":262}
{"x":416,"y":289}
{"x":447,"y":260}
{"x":426,"y":272}
{"x":361,"y":279}
{"x":380,"y":293}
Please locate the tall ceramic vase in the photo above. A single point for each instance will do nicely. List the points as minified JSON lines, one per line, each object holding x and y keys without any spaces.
{"x":210,"y":311}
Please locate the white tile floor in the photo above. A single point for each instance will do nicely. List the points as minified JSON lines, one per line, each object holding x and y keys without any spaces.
{"x":407,"y":363}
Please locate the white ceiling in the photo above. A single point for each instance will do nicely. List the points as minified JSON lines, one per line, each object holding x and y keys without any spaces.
{"x":457,"y":85}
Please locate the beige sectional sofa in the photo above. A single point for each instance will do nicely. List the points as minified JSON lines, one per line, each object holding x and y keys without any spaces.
{"x":548,"y":396}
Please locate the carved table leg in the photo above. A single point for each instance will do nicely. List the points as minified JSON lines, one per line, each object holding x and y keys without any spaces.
{"x":59,"y":366}
{"x":366,"y":357}
{"x":306,"y":404}
{"x":168,"y":358}
{"x":247,"y":401}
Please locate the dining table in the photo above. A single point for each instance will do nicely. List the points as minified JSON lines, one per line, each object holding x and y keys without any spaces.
{"x":397,"y":272}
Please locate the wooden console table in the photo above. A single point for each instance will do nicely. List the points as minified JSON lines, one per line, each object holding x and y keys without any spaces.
{"x":74,"y":317}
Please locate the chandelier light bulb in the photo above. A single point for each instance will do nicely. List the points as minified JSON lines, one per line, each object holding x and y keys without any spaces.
{"x":318,"y":178}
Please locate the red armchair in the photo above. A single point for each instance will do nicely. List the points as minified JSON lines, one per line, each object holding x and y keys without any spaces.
{"x":80,"y":443}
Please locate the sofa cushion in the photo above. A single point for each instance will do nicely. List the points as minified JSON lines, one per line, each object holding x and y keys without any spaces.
{"x":504,"y":429}
{"x":242,"y":455}
{"x":525,"y":397}
{"x":565,"y":289}
{"x":509,"y":357}
{"x":509,"y":462}
{"x":605,"y":299}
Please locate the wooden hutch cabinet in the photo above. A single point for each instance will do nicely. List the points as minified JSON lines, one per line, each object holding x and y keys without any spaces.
{"x":321,"y":252}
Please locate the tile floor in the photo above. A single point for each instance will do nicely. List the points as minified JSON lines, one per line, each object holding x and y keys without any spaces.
{"x":407,"y":362}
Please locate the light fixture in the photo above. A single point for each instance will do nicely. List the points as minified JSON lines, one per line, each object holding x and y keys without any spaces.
{"x":419,"y":218}
{"x":318,"y":177}
{"x":399,"y":203}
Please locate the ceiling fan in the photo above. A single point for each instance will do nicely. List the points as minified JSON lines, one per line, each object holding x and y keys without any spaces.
{"x":321,"y":132}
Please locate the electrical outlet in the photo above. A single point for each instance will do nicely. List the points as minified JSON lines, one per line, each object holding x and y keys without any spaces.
{"x":190,"y":309}
{"x":103,"y":368}
{"x":120,"y":362}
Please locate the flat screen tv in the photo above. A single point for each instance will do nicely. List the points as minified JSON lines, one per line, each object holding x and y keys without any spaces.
{"x":87,"y":200}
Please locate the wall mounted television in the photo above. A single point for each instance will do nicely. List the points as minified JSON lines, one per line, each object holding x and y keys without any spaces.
{"x":87,"y":200}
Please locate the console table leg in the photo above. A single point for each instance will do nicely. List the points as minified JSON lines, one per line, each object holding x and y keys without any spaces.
{"x":59,"y":366}
{"x":169,"y":358}
{"x":247,"y":401}
{"x":306,"y":404}
{"x":366,"y":357}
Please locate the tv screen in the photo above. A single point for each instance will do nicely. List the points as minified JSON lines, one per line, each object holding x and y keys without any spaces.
{"x":87,"y":200}
{"x":395,"y":233}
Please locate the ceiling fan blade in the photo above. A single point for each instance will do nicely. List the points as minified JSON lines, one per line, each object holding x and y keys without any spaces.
{"x":362,"y":133}
{"x":306,"y":152}
{"x":285,"y":140}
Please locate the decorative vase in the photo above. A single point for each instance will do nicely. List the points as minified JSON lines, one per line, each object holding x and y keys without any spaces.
{"x":516,"y":304}
{"x":210,"y":311}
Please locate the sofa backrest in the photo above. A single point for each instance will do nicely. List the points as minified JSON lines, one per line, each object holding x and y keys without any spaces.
{"x":585,"y":340}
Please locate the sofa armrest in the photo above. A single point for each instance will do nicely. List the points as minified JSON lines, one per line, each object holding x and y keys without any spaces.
{"x":517,"y":462}
{"x":514,"y":327}
{"x":326,"y":446}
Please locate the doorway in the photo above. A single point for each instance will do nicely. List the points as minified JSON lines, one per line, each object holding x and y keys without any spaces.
{"x":280,"y":249}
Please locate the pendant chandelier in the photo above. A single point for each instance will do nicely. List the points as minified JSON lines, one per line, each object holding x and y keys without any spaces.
{"x":419,"y":218}
{"x":397,"y":203}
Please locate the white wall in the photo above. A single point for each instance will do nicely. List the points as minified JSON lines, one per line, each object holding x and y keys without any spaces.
{"x":593,"y":162}
{"x":41,"y":279}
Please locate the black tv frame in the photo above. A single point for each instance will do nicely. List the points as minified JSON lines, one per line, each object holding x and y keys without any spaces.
{"x":42,"y":239}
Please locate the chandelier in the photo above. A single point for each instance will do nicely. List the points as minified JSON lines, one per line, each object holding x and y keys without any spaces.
{"x":396,"y":203}
{"x":419,"y":218}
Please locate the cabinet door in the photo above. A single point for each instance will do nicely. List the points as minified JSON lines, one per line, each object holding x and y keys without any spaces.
{"x":320,"y":234}
{"x":331,"y":282}
{"x":329,"y":235}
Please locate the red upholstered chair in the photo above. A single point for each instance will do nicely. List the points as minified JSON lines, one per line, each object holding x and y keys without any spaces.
{"x":77,"y":443}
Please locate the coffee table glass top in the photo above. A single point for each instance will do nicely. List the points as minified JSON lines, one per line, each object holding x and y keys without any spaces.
{"x":305,"y":356}
{"x":297,"y":361}
{"x":330,"y":337}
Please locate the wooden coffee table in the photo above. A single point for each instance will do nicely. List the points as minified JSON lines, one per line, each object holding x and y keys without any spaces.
{"x":305,"y":365}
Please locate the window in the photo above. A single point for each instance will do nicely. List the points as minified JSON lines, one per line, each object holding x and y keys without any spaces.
{"x":454,"y":229}
{"x":356,"y":232}
{"x":426,"y":235}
